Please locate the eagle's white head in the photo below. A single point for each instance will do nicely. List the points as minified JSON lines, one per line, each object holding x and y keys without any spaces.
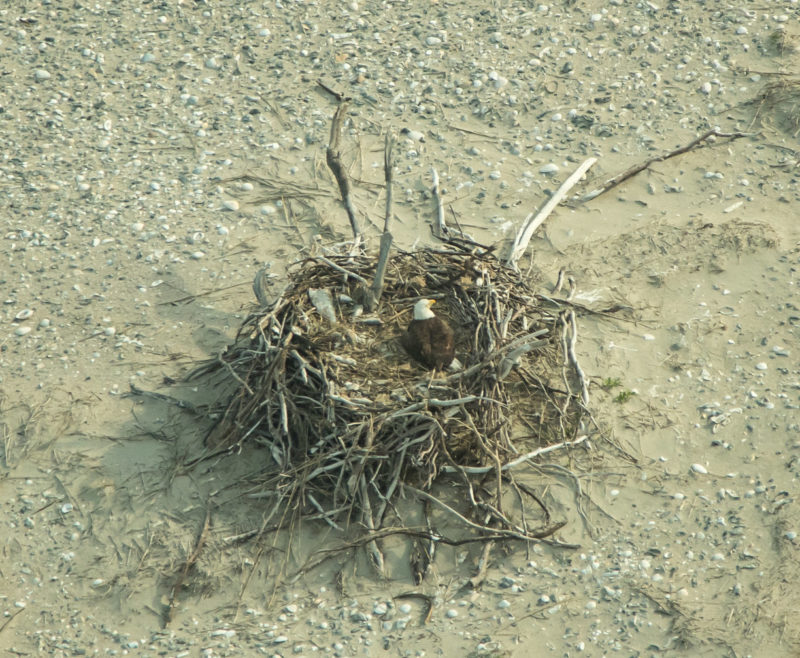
{"x":422,"y":309}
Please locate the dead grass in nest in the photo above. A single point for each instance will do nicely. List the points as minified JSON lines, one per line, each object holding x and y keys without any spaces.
{"x":349,"y":422}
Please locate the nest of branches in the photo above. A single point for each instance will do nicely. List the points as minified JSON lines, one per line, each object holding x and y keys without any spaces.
{"x":350,"y":422}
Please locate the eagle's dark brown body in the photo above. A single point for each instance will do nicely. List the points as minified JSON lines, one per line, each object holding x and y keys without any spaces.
{"x":430,"y":342}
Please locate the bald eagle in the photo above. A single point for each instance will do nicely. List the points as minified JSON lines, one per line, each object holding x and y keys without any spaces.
{"x":429,"y":339}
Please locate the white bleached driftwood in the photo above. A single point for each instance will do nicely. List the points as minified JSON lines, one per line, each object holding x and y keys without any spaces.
{"x":534,"y":220}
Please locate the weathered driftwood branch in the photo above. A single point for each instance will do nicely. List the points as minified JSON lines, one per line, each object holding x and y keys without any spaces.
{"x":439,"y":227}
{"x":629,"y":173}
{"x":333,"y":157}
{"x":339,"y":268}
{"x":569,"y":339}
{"x":534,"y":220}
{"x":480,"y":470}
{"x":501,"y":532}
{"x":374,"y":294}
{"x":339,"y":96}
{"x":388,"y":168}
{"x":573,"y":340}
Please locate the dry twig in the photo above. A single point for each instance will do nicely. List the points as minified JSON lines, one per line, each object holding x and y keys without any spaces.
{"x":698,"y":142}
{"x":187,"y":565}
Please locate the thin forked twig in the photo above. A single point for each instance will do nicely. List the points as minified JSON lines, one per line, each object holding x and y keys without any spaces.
{"x":632,"y":171}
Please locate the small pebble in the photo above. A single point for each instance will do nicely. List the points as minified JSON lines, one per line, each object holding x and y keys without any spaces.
{"x":22,"y":331}
{"x":41,"y":75}
{"x":699,"y":468}
{"x":761,"y":366}
{"x":414,"y":135}
{"x":503,"y":604}
{"x":230,"y":204}
{"x":452,"y":613}
{"x":548,"y":169}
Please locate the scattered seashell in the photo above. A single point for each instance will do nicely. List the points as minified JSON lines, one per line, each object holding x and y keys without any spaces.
{"x":24,"y":314}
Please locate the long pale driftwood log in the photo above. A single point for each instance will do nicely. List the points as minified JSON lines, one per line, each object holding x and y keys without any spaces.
{"x":535,"y":220}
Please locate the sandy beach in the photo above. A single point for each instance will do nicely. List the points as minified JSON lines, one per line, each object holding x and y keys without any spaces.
{"x":157,"y":155}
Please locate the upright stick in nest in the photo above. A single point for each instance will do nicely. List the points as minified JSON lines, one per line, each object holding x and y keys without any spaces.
{"x":334,"y":159}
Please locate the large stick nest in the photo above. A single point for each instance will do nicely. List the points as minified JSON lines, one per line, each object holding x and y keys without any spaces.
{"x":349,"y":420}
